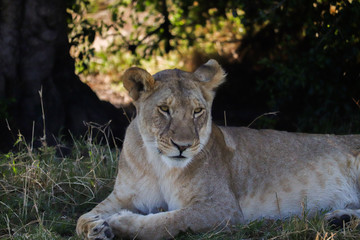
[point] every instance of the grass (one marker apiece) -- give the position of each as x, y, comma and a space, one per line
43, 192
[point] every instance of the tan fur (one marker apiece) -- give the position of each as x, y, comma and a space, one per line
179, 171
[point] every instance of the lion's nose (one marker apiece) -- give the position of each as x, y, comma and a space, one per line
181, 147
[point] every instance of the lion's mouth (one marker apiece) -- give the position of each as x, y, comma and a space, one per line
180, 157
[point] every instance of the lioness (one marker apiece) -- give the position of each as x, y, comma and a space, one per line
179, 171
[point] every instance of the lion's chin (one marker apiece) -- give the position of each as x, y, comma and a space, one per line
176, 161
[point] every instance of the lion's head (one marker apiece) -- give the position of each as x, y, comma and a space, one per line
174, 109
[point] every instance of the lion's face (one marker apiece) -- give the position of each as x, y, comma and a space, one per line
175, 119
173, 109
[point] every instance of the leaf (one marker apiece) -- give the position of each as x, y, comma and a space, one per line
91, 36
114, 16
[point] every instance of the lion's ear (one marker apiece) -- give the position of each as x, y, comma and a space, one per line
136, 80
211, 74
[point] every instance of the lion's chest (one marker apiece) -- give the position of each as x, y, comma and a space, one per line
156, 195
154, 199
149, 200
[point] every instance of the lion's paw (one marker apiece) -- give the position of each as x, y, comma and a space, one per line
338, 218
100, 231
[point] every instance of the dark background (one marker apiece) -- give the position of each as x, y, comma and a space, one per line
298, 58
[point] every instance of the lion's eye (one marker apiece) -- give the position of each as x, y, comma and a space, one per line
197, 111
164, 108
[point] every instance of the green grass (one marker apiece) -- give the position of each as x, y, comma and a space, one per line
43, 192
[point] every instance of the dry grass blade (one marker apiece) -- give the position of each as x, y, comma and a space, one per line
357, 102
262, 115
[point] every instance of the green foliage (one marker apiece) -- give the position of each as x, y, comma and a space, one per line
82, 32
141, 31
311, 53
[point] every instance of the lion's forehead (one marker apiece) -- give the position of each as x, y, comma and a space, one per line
173, 74
180, 92
185, 100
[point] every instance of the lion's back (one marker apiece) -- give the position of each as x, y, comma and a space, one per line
283, 145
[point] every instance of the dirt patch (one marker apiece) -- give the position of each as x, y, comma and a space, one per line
107, 90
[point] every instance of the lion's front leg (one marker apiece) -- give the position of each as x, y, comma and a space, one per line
94, 224
167, 225
145, 227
